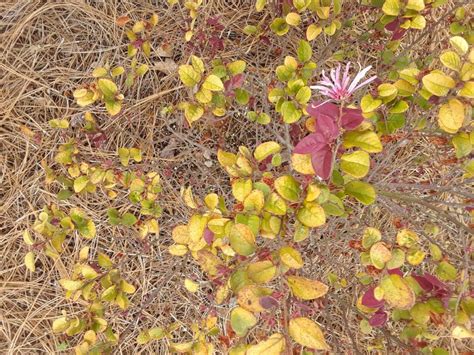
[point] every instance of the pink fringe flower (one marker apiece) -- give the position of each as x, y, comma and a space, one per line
342, 88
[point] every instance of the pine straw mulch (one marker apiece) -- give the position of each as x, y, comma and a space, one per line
49, 48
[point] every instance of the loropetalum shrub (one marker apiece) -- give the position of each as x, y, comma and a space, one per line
249, 246
98, 286
429, 306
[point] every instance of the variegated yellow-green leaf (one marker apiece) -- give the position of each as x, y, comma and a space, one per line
178, 249
418, 22
361, 191
438, 83
113, 107
261, 272
27, 238
104, 261
307, 333
188, 75
193, 112
107, 87
293, 19
391, 7
241, 188
397, 260
369, 104
356, 164
288, 188
407, 238
266, 149
213, 83
313, 31
259, 5
396, 292
242, 239
386, 90
60, 325
451, 60
249, 297
99, 72
80, 183
379, 255
274, 345
366, 140
311, 215
459, 44
416, 5
451, 116
237, 67
291, 257
306, 289
254, 201
370, 236
279, 26
197, 64
242, 320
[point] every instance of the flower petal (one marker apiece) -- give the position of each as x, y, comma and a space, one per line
358, 78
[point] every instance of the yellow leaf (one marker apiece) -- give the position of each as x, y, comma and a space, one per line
293, 19
190, 285
379, 255
459, 44
254, 201
438, 83
180, 234
460, 332
60, 325
266, 149
274, 345
188, 75
391, 7
451, 116
291, 257
70, 285
396, 292
356, 164
213, 83
27, 238
302, 164
99, 72
306, 289
30, 261
178, 249
307, 333
261, 272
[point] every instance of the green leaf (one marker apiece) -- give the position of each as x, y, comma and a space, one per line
129, 219
288, 188
242, 320
188, 75
361, 191
356, 164
304, 51
279, 26
446, 271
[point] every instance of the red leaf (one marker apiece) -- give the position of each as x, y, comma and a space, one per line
234, 83
310, 144
322, 162
378, 319
351, 118
369, 300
